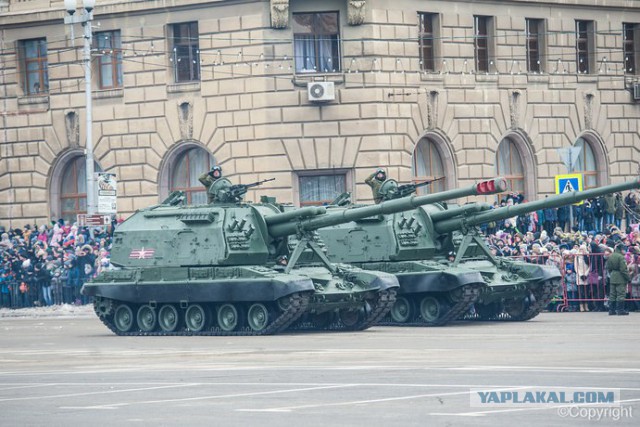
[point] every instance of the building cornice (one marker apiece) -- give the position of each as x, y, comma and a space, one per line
105, 8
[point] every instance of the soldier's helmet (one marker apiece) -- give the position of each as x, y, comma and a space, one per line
381, 175
216, 172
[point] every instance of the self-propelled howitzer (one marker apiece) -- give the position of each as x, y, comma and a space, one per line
216, 270
503, 298
446, 266
398, 237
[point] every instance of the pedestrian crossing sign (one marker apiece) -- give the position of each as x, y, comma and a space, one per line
569, 182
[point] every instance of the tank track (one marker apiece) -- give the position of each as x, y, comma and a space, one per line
470, 294
382, 305
542, 297
385, 301
298, 304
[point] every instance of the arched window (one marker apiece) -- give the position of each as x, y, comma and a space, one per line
509, 165
427, 165
189, 165
586, 164
73, 188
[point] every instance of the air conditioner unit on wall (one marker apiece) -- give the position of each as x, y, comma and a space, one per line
321, 91
636, 91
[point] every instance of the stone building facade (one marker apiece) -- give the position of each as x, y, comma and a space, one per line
460, 89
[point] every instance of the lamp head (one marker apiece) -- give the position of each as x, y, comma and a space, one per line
89, 5
70, 6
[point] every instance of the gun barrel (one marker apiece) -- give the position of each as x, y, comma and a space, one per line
460, 210
294, 214
492, 186
446, 225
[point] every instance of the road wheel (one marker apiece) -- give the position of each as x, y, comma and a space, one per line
197, 318
258, 317
431, 309
402, 310
228, 317
147, 318
123, 318
350, 318
169, 318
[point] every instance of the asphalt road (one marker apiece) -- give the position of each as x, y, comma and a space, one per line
73, 371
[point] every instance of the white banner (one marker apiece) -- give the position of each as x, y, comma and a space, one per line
107, 192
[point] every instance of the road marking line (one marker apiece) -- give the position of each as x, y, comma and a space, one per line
308, 384
306, 368
362, 402
13, 399
192, 399
17, 387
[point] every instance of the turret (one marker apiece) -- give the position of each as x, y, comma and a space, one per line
461, 218
279, 228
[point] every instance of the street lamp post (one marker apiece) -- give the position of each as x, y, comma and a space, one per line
85, 19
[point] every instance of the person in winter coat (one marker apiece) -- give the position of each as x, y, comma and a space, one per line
610, 208
598, 207
619, 210
581, 265
563, 217
631, 202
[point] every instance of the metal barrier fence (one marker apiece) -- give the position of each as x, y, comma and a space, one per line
589, 288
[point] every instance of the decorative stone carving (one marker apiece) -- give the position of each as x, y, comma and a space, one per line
588, 110
185, 116
432, 109
72, 127
279, 13
356, 11
514, 109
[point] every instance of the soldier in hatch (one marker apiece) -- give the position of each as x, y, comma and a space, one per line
375, 181
214, 183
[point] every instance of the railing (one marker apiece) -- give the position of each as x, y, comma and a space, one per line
591, 287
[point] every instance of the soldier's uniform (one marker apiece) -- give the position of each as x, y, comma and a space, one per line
207, 180
618, 279
212, 179
375, 185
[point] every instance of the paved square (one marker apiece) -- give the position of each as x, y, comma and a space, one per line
73, 371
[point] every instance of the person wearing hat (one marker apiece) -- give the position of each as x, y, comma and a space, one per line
618, 279
572, 287
208, 179
582, 269
281, 262
375, 181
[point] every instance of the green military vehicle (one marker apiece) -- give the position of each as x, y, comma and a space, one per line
441, 260
219, 269
216, 269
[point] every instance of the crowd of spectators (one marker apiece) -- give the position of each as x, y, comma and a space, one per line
48, 264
